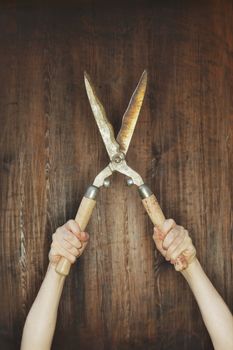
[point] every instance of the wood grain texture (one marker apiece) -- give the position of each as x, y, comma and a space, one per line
154, 211
121, 294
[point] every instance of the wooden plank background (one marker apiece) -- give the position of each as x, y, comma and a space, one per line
121, 294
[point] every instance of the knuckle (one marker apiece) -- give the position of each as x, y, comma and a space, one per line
66, 244
154, 237
73, 259
178, 232
171, 222
73, 225
173, 256
72, 237
193, 250
182, 235
178, 229
66, 234
58, 233
52, 251
59, 229
78, 243
173, 233
63, 244
74, 251
166, 242
81, 250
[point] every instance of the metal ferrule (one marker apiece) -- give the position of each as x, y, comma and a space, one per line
144, 191
91, 192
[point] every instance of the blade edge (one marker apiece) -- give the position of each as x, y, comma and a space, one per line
131, 114
104, 126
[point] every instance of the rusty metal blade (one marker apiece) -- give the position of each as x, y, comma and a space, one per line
104, 125
131, 114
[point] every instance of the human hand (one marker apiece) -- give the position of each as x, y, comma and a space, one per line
175, 244
68, 242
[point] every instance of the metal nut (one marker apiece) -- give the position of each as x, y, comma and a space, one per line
129, 181
107, 182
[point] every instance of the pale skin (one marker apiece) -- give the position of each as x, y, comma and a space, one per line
173, 242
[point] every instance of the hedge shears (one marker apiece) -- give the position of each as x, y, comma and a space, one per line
117, 149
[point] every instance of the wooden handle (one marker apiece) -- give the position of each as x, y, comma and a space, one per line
154, 211
157, 217
82, 218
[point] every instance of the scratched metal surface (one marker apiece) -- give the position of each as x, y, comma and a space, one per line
121, 294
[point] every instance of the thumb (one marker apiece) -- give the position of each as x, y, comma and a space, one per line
158, 238
83, 236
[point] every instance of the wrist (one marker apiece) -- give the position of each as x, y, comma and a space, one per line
192, 269
51, 266
53, 275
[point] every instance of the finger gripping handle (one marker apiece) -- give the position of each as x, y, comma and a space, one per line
82, 218
157, 217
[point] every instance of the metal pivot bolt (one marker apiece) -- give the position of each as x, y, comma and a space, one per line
118, 157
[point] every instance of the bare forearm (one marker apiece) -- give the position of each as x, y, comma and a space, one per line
41, 320
215, 313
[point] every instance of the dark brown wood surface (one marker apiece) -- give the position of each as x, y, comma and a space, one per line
121, 294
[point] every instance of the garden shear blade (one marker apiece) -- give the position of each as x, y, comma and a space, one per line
117, 149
